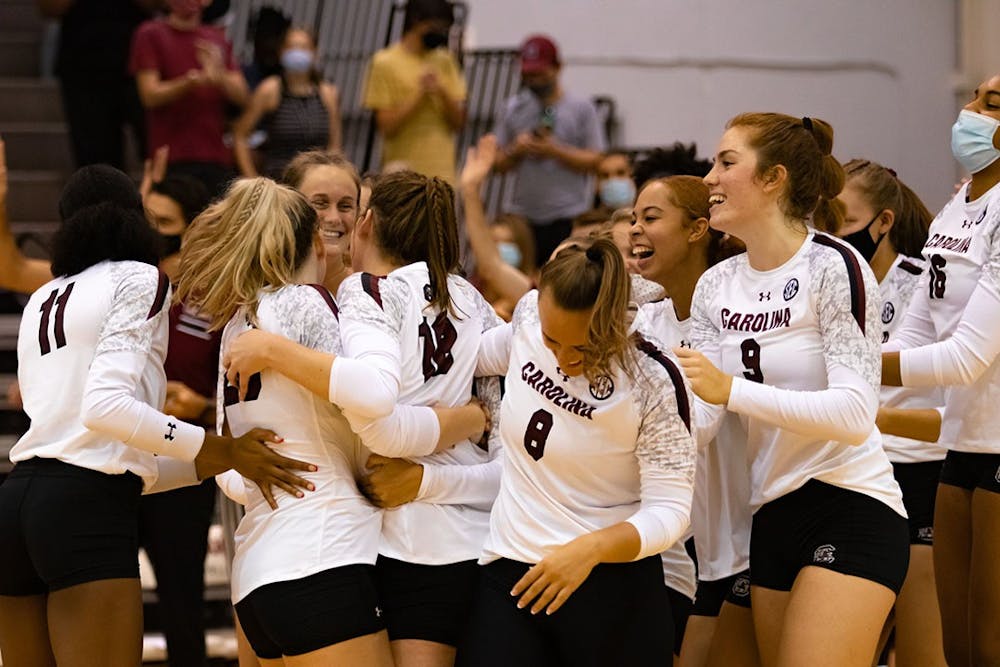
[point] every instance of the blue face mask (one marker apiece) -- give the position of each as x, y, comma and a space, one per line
617, 192
972, 140
297, 60
509, 253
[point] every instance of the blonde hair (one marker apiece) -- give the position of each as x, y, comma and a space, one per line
591, 274
253, 239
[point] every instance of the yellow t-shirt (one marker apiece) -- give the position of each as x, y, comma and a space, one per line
424, 142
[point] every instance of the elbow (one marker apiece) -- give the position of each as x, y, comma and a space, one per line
96, 410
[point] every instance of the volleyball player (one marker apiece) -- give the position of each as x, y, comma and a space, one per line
887, 224
419, 325
90, 364
787, 336
598, 470
673, 246
949, 338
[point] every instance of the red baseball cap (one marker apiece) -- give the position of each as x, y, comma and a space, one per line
537, 53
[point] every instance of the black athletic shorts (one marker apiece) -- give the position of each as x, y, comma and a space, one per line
826, 526
919, 482
972, 471
680, 611
304, 615
429, 602
619, 616
734, 589
62, 525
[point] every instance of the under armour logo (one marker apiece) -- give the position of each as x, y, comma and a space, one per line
764, 296
686, 343
170, 435
378, 612
824, 554
967, 224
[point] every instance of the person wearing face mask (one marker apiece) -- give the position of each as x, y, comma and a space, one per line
948, 338
887, 224
553, 140
299, 110
417, 93
614, 185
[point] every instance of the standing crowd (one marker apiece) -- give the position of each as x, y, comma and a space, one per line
736, 412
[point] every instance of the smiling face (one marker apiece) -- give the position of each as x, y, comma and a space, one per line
660, 233
735, 194
564, 332
332, 192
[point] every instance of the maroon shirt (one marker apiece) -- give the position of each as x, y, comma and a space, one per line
193, 125
192, 351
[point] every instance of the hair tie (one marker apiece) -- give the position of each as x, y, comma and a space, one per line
594, 255
807, 123
892, 171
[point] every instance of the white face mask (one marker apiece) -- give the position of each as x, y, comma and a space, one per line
972, 140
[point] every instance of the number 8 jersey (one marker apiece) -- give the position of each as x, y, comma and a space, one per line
785, 335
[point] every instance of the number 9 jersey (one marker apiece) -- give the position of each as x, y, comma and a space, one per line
785, 335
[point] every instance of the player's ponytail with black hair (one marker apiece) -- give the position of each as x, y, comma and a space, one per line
593, 276
102, 218
415, 221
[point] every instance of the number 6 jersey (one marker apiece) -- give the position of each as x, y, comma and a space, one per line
582, 456
802, 342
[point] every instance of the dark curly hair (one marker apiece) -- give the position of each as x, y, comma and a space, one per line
678, 160
102, 219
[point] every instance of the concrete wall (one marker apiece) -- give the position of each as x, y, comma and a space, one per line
883, 72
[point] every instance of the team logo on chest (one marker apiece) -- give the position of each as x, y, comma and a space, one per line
791, 289
968, 224
888, 312
602, 388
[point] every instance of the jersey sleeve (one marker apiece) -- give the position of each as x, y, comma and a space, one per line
476, 485
143, 52
707, 417
137, 314
973, 347
847, 305
371, 312
666, 452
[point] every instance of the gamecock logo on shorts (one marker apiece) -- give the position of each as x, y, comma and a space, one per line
741, 586
997, 476
602, 387
824, 554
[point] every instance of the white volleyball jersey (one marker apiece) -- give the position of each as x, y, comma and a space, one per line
789, 328
574, 452
644, 291
905, 276
720, 509
103, 327
333, 525
438, 352
963, 248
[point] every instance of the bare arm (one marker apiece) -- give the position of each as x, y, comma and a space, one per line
923, 424
390, 120
331, 100
263, 100
154, 92
17, 272
505, 279
580, 159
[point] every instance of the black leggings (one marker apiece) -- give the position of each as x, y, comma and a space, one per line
619, 616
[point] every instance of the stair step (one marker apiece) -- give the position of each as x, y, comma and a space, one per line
21, 16
42, 146
33, 195
20, 54
30, 100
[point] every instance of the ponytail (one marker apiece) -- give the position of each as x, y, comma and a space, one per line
415, 222
592, 275
255, 238
882, 190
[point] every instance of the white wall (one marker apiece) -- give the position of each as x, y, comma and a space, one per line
881, 71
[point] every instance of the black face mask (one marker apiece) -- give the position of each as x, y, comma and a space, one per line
863, 242
170, 244
542, 90
433, 40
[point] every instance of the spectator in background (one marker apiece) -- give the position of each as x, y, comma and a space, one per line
678, 160
614, 188
553, 140
300, 111
98, 94
186, 77
268, 26
417, 93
